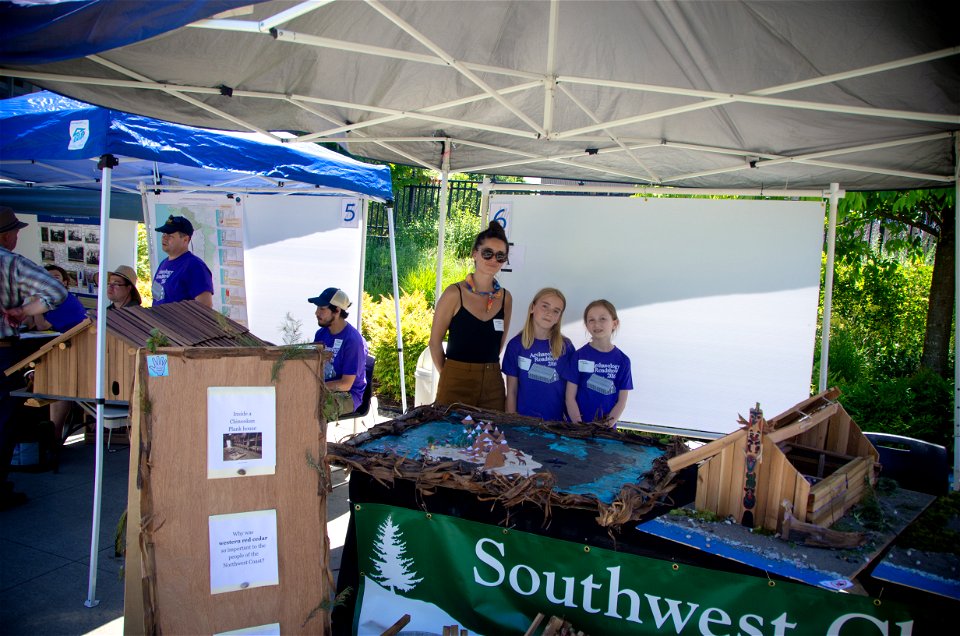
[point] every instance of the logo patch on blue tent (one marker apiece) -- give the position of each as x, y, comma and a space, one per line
79, 134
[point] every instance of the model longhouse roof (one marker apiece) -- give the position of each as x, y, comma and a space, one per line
185, 324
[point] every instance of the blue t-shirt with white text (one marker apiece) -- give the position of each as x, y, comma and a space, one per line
599, 376
349, 358
540, 384
183, 278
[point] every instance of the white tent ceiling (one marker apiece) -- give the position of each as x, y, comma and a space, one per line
769, 95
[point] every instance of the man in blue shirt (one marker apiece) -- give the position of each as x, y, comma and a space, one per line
345, 376
182, 275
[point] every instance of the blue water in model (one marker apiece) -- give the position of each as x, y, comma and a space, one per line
598, 467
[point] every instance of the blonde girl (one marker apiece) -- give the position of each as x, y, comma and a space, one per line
535, 357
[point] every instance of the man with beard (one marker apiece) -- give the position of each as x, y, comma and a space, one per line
345, 375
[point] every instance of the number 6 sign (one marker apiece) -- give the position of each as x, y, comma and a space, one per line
501, 215
349, 213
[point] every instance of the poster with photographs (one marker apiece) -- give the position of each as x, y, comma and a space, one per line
241, 431
72, 243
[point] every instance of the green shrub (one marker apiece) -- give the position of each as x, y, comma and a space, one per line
379, 329
460, 231
919, 405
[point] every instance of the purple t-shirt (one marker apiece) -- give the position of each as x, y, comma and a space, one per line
540, 387
183, 278
67, 314
599, 376
349, 358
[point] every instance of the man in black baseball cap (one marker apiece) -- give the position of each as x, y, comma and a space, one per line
182, 275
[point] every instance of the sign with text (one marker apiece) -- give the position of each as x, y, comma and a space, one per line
241, 431
504, 578
243, 551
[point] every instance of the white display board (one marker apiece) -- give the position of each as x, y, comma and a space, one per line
717, 299
217, 221
294, 248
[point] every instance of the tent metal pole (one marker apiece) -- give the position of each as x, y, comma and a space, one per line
484, 203
956, 299
107, 162
828, 286
396, 307
364, 211
442, 221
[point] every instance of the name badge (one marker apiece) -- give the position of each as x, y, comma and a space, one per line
498, 324
585, 366
523, 363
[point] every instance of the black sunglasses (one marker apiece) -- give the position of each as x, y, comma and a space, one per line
487, 253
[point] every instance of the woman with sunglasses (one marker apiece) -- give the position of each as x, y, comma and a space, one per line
476, 314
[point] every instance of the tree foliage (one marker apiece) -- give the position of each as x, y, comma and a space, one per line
890, 351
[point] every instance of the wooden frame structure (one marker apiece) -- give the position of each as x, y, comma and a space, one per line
813, 456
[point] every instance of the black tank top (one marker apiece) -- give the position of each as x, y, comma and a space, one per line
471, 339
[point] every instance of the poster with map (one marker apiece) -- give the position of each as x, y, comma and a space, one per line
217, 239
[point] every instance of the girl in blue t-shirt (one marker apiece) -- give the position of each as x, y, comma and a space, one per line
534, 359
598, 374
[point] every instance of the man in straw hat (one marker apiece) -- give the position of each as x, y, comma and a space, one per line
122, 288
20, 279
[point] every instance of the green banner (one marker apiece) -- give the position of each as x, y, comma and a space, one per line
489, 580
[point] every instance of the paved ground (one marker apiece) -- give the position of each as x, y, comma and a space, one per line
45, 547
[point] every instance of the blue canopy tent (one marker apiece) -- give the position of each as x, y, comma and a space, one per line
35, 33
49, 140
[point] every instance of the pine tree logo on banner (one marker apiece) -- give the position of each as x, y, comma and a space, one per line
393, 569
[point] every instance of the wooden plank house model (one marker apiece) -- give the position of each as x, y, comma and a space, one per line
66, 366
812, 457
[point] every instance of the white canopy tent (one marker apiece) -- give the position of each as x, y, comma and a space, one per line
749, 97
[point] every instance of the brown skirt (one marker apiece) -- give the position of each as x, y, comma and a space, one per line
479, 385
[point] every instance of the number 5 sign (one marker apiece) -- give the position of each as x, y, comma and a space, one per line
349, 213
501, 214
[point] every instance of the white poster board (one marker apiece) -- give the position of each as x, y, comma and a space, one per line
294, 248
717, 299
269, 253
217, 239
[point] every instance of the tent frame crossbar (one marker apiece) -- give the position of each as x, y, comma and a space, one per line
286, 190
646, 191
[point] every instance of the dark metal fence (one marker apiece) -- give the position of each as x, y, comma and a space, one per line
415, 202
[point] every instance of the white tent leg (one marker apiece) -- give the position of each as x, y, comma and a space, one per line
106, 165
828, 286
396, 306
442, 221
484, 203
364, 211
956, 299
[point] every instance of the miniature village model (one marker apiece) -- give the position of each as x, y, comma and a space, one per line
484, 443
808, 465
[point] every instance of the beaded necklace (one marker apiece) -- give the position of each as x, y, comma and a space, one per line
490, 295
